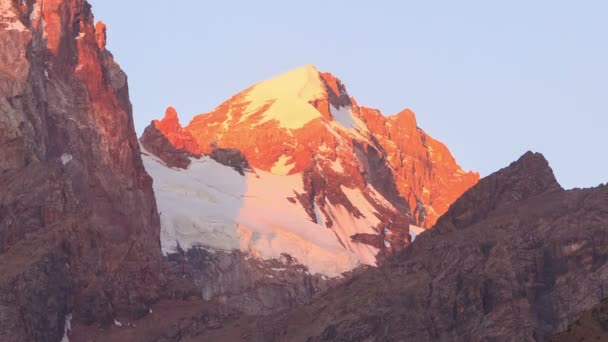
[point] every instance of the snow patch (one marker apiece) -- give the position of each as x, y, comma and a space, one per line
377, 196
35, 12
67, 328
212, 206
355, 196
415, 231
66, 158
345, 226
318, 215
282, 167
288, 95
345, 119
336, 165
343, 115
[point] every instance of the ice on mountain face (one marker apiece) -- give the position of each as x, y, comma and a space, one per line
360, 202
282, 166
415, 231
336, 165
66, 158
288, 95
345, 119
344, 116
349, 226
35, 12
197, 206
318, 215
212, 206
67, 328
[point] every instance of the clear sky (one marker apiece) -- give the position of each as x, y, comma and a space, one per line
490, 79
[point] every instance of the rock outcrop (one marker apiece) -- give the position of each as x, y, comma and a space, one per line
167, 140
79, 228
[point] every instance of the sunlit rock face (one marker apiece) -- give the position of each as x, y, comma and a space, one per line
332, 184
79, 229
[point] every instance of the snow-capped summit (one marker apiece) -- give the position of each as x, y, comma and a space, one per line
331, 183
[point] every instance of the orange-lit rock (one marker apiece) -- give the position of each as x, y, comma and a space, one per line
429, 177
100, 35
392, 153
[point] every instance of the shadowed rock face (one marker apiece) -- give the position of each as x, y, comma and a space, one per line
592, 325
79, 229
515, 258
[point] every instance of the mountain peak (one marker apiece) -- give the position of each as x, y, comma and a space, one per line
527, 177
101, 35
170, 123
303, 83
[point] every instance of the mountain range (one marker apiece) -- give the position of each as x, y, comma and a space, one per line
288, 213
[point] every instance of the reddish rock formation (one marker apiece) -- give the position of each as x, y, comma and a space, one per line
414, 171
170, 127
167, 140
429, 177
79, 229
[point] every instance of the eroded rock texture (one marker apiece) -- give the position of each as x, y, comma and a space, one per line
78, 220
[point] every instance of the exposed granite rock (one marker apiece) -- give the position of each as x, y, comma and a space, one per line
231, 157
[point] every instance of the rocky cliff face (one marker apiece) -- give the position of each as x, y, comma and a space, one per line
79, 229
515, 258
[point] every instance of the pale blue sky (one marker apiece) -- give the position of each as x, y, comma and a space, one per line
490, 79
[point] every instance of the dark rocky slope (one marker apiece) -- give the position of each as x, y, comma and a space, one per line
517, 258
592, 325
